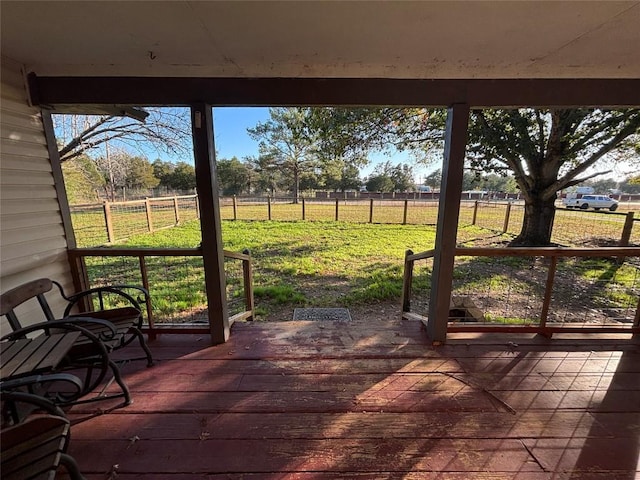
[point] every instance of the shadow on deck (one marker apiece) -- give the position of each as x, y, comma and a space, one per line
307, 400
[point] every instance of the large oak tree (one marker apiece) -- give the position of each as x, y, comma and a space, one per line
545, 150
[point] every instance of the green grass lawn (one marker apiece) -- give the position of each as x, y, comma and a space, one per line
341, 264
320, 264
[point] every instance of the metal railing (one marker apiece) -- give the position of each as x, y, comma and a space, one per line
541, 290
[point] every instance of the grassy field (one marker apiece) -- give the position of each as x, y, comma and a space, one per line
312, 263
340, 264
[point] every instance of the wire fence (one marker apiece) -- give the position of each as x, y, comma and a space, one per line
175, 282
570, 227
511, 290
111, 222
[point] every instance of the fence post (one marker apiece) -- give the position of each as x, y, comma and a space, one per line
626, 230
371, 210
247, 273
175, 210
147, 205
507, 214
197, 207
108, 222
235, 208
303, 210
337, 203
475, 213
269, 207
407, 280
404, 215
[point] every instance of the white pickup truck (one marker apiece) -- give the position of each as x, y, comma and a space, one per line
592, 201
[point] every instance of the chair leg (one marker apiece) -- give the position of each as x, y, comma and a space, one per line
72, 467
118, 378
143, 344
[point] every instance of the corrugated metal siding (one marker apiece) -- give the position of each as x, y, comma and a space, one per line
32, 240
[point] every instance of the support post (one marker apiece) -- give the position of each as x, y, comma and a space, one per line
548, 291
404, 215
303, 210
371, 210
108, 222
269, 207
247, 274
407, 280
147, 209
475, 212
176, 211
507, 214
210, 225
145, 283
626, 230
337, 204
448, 213
235, 208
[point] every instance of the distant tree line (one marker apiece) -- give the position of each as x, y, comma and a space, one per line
539, 152
116, 176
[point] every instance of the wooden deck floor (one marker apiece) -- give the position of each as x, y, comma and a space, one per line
307, 400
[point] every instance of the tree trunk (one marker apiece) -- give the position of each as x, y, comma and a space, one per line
537, 224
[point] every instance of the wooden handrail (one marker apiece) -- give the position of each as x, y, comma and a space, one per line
420, 256
77, 256
548, 252
135, 251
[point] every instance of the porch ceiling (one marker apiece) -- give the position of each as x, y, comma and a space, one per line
465, 39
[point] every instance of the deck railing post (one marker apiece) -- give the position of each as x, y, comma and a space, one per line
551, 275
247, 273
407, 280
145, 283
626, 234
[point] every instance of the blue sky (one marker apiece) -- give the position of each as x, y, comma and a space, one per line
230, 129
231, 138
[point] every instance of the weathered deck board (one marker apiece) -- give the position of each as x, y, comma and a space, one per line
303, 400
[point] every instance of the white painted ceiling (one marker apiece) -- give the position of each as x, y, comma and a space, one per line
392, 39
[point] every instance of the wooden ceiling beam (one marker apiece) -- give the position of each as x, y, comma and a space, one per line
477, 93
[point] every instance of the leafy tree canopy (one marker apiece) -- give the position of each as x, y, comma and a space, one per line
233, 176
288, 142
545, 150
